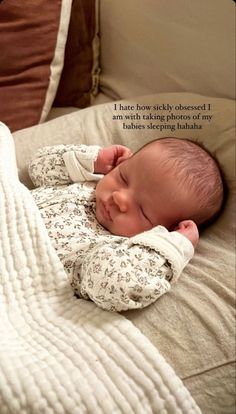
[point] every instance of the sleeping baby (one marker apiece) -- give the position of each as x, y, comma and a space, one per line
125, 225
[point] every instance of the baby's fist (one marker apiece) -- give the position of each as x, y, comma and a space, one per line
188, 229
108, 158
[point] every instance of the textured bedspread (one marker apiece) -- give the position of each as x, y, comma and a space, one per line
59, 354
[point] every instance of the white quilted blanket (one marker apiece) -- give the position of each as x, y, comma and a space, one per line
59, 354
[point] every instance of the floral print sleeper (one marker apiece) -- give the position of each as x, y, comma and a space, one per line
117, 273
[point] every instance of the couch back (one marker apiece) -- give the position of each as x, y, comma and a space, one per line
167, 46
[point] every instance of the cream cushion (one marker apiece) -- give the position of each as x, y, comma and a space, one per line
193, 325
167, 46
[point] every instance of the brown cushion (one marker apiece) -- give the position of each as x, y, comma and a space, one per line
76, 83
28, 41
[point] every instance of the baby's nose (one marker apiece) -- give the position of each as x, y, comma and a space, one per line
121, 200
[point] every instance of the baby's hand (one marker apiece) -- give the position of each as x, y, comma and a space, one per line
188, 229
108, 158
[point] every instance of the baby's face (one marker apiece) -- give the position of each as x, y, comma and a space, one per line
138, 195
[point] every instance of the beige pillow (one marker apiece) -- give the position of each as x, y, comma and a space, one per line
193, 326
32, 43
167, 46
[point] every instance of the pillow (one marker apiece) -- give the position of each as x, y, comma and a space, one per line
167, 46
193, 326
79, 77
32, 42
102, 125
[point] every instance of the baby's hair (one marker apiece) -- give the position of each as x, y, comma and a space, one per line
199, 171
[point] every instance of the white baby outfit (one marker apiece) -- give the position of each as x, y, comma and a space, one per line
117, 273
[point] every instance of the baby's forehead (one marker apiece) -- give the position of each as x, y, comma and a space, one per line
150, 157
148, 168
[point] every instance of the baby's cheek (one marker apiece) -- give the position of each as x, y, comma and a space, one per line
120, 227
132, 227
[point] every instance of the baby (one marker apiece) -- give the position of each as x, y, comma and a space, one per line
124, 240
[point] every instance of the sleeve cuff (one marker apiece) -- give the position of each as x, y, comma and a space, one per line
175, 247
80, 163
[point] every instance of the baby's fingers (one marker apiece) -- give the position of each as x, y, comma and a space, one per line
123, 153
